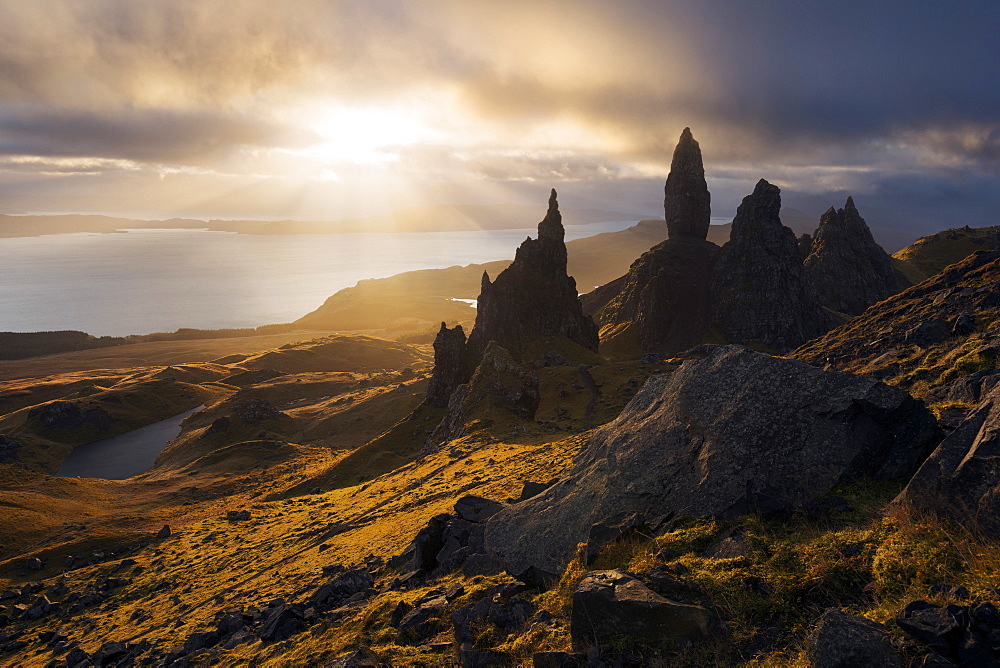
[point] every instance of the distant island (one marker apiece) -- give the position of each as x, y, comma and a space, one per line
445, 218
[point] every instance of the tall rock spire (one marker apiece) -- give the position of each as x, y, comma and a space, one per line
760, 292
687, 204
662, 304
532, 298
849, 269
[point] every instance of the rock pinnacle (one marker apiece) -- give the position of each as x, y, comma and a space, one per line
687, 204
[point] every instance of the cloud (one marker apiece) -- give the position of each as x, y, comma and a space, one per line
157, 136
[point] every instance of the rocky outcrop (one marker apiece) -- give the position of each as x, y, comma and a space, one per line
848, 269
608, 605
760, 292
664, 300
499, 390
449, 365
687, 204
533, 298
891, 339
841, 640
730, 433
961, 479
58, 415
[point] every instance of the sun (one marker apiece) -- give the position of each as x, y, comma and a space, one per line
361, 135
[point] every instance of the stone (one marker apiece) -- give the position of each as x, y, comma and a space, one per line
335, 592
928, 333
34, 563
761, 293
282, 623
507, 612
476, 508
727, 434
961, 478
939, 627
164, 532
841, 640
237, 515
428, 543
687, 204
964, 324
450, 366
614, 605
109, 653
849, 270
533, 298
363, 657
423, 620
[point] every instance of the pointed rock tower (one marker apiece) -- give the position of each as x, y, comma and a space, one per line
687, 204
533, 298
662, 304
761, 294
849, 269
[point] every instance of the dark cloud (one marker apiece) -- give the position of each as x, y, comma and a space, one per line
148, 135
895, 102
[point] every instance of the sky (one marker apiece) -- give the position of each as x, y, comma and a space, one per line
324, 110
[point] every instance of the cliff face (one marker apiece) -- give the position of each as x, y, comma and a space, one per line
760, 291
533, 297
848, 269
664, 300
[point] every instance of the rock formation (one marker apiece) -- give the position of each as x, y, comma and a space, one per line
687, 204
499, 389
848, 269
533, 297
731, 433
664, 300
449, 365
961, 479
760, 292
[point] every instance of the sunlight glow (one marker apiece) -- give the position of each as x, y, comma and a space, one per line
365, 135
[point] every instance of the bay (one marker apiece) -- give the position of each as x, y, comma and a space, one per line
143, 281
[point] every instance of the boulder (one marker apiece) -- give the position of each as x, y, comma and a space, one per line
476, 508
848, 269
841, 640
961, 478
237, 515
281, 623
927, 333
614, 605
761, 293
164, 531
730, 433
331, 594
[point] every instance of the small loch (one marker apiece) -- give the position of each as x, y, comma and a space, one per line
125, 455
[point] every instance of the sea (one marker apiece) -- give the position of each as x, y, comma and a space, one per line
144, 281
